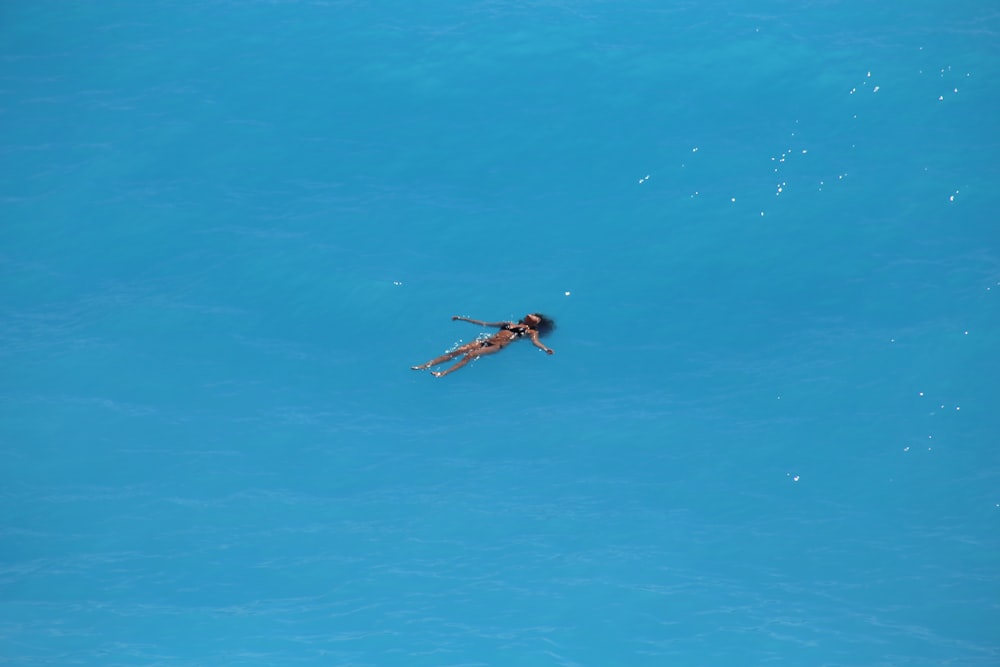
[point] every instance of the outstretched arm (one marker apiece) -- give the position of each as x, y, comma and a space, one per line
479, 322
539, 344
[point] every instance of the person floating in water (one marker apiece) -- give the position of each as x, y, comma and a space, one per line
531, 326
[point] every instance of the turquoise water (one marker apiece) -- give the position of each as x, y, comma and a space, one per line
767, 231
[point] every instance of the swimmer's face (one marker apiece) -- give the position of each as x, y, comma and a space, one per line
532, 320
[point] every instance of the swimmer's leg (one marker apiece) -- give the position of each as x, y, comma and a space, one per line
461, 362
473, 354
447, 356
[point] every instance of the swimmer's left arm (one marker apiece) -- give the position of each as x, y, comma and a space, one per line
539, 344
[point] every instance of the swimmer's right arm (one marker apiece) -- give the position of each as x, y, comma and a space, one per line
479, 322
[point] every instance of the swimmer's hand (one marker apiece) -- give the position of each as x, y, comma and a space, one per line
549, 350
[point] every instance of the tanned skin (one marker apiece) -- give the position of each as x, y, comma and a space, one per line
508, 333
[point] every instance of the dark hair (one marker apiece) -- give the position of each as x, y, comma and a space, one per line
546, 326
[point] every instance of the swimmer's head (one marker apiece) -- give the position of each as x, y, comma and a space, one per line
540, 323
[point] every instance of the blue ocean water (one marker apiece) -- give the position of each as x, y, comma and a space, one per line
768, 434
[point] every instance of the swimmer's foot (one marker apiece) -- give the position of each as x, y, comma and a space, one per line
421, 367
438, 374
